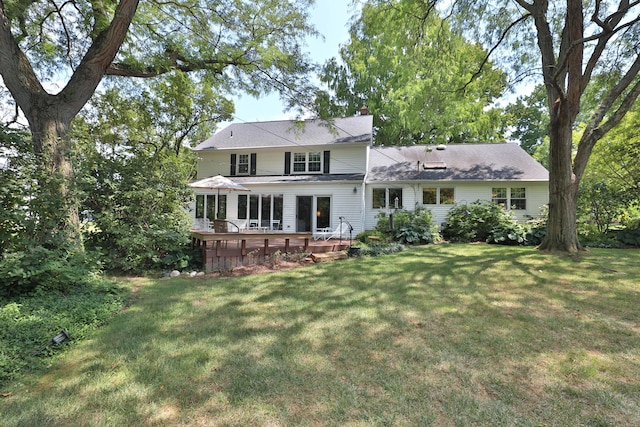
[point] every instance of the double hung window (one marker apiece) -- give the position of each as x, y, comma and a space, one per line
438, 196
243, 164
387, 198
510, 197
307, 162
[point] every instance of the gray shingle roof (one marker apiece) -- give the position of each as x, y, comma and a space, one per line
457, 162
358, 129
296, 179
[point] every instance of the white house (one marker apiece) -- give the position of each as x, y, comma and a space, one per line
306, 176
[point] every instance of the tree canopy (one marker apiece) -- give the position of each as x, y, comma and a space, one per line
417, 77
54, 55
576, 44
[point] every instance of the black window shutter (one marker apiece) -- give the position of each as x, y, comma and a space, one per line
287, 163
327, 157
232, 171
253, 164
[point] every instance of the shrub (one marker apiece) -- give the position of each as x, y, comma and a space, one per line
537, 228
629, 236
511, 233
364, 236
415, 227
382, 249
476, 222
136, 211
590, 236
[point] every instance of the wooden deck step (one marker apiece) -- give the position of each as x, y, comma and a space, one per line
328, 256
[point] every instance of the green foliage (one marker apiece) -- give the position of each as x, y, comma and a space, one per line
384, 248
528, 119
163, 114
258, 45
135, 209
134, 170
41, 269
28, 323
416, 76
205, 53
537, 228
14, 178
378, 236
600, 202
508, 233
411, 227
591, 237
630, 235
35, 253
485, 221
474, 222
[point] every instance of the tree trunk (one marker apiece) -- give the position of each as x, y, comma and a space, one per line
52, 147
562, 232
50, 116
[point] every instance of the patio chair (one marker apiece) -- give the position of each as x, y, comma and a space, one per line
341, 232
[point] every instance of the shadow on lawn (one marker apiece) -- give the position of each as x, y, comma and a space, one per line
442, 335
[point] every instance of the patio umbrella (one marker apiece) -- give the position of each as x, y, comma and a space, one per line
218, 182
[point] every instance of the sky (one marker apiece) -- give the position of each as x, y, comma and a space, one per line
330, 17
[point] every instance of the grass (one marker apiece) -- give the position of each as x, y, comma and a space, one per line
446, 335
28, 323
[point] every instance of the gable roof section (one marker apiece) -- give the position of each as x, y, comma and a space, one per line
456, 162
287, 133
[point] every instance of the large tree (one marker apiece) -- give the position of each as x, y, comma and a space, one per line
573, 42
416, 76
46, 44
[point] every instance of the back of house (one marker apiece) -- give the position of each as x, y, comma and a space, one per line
314, 175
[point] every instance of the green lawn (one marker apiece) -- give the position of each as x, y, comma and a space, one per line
468, 335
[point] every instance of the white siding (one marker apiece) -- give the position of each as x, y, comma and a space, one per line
465, 192
344, 202
343, 160
351, 159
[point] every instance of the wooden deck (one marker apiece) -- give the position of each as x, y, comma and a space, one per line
229, 250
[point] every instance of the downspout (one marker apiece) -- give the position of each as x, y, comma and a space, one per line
363, 214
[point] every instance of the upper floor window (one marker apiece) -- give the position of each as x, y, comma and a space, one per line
243, 164
387, 198
437, 196
307, 162
513, 198
314, 162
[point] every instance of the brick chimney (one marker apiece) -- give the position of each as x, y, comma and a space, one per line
364, 110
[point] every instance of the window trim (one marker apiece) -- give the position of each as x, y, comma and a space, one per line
235, 164
507, 200
438, 194
241, 164
387, 198
296, 161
